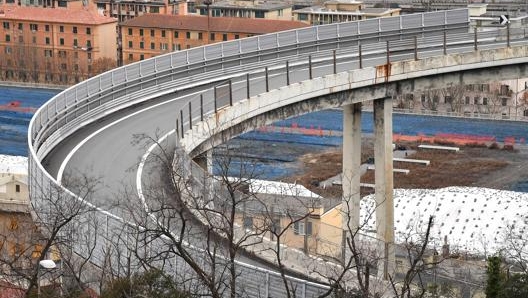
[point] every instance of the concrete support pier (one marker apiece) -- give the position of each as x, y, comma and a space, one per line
384, 184
351, 175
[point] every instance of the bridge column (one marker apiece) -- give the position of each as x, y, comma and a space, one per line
384, 184
351, 175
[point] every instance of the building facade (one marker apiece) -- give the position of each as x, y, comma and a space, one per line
151, 35
336, 11
270, 10
125, 10
55, 45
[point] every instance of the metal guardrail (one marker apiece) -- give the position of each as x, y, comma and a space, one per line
204, 68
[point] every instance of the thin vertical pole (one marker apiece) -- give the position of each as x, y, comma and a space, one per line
177, 127
475, 45
230, 93
335, 62
248, 94
201, 107
508, 34
445, 42
415, 48
388, 58
360, 57
310, 65
190, 116
181, 123
287, 73
267, 78
215, 106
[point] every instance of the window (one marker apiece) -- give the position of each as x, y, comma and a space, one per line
48, 53
302, 17
175, 34
8, 50
141, 45
61, 41
62, 54
63, 66
34, 39
152, 46
8, 38
280, 12
6, 25
162, 33
302, 228
33, 27
188, 35
152, 33
75, 44
484, 100
423, 97
259, 14
21, 39
476, 100
89, 56
212, 36
248, 223
88, 43
200, 35
129, 31
237, 36
63, 3
129, 44
467, 100
163, 46
20, 26
504, 101
448, 99
224, 37
130, 57
525, 113
141, 57
88, 31
75, 55
47, 40
190, 7
74, 30
140, 32
154, 9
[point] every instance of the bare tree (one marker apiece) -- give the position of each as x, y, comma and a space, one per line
454, 97
431, 100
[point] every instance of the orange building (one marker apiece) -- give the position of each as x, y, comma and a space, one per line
55, 45
151, 35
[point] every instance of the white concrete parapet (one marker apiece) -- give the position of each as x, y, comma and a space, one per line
420, 161
456, 149
404, 171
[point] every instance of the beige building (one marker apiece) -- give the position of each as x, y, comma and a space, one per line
14, 194
336, 11
55, 45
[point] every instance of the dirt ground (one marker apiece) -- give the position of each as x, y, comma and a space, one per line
471, 166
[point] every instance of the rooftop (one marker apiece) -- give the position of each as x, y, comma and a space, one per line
363, 11
217, 24
250, 5
53, 15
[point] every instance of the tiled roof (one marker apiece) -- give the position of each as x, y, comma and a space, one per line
216, 24
53, 15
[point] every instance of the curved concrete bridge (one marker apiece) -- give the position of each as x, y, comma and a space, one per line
218, 91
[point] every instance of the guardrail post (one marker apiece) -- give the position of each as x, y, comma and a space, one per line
267, 78
508, 34
310, 65
181, 123
287, 73
335, 62
415, 48
177, 129
267, 285
445, 43
475, 39
201, 107
360, 57
230, 93
247, 86
190, 116
215, 106
388, 55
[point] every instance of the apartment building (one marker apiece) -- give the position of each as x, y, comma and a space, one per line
128, 9
151, 35
270, 10
336, 11
55, 45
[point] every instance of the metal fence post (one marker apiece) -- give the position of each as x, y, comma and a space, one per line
287, 73
177, 128
475, 39
335, 62
267, 82
388, 55
230, 93
267, 285
310, 65
247, 86
415, 48
360, 57
190, 116
201, 107
215, 105
508, 34
181, 123
445, 43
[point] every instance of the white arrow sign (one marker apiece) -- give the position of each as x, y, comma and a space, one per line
504, 19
